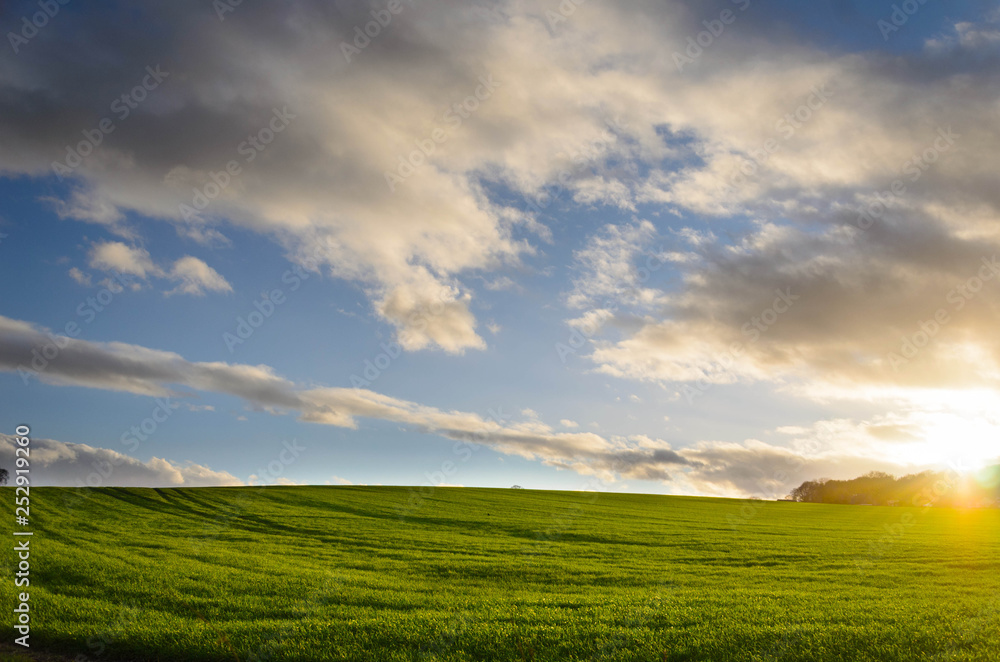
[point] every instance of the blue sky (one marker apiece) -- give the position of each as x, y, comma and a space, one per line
476, 293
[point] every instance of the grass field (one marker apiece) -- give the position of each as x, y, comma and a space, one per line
371, 573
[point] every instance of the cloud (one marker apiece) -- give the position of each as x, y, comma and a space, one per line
196, 277
708, 467
428, 317
143, 371
611, 273
968, 38
796, 151
80, 465
566, 423
815, 170
80, 277
796, 304
912, 437
319, 188
281, 480
593, 110
117, 256
193, 276
501, 283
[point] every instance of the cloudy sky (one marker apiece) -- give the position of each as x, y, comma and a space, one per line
713, 247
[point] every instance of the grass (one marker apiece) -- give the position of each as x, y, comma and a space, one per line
377, 573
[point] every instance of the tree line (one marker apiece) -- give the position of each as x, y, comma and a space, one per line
947, 489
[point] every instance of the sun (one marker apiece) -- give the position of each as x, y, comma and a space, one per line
961, 442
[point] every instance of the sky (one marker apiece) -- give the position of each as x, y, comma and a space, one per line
711, 248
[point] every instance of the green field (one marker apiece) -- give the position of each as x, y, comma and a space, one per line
373, 573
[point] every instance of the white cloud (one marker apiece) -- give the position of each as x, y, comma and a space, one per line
615, 268
195, 277
501, 283
570, 116
679, 140
118, 256
135, 369
427, 314
80, 277
796, 304
320, 186
61, 463
566, 423
708, 467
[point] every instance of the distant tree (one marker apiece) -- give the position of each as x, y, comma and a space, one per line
4, 475
940, 489
809, 492
516, 487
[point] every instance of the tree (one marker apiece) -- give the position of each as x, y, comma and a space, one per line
809, 491
4, 475
941, 489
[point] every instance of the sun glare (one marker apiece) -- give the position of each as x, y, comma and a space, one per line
962, 442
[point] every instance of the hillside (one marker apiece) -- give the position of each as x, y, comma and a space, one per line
379, 573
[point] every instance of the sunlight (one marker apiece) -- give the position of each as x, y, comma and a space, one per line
961, 442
